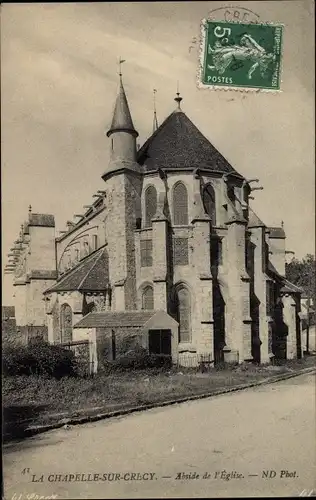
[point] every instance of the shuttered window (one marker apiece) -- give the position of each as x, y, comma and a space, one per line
180, 205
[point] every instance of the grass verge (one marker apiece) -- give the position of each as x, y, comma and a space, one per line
31, 400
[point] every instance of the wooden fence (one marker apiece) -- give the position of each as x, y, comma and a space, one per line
203, 362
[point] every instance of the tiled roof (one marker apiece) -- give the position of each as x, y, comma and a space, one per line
128, 319
91, 274
115, 319
276, 232
178, 143
44, 220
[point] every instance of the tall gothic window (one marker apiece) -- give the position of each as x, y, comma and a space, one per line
181, 251
180, 205
209, 203
146, 253
66, 323
148, 298
150, 205
183, 303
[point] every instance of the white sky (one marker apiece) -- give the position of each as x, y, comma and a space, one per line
59, 83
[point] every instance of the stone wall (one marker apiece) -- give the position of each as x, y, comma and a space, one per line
133, 186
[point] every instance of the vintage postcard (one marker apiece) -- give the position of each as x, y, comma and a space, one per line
158, 305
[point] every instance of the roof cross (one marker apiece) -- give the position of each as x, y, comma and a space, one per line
121, 61
155, 123
178, 99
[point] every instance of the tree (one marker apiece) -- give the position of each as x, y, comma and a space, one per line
302, 274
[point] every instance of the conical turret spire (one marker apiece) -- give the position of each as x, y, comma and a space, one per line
123, 150
122, 120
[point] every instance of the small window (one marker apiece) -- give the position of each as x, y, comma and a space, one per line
86, 248
95, 241
180, 205
69, 263
146, 250
148, 298
181, 251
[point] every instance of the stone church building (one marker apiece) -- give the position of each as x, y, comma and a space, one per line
171, 232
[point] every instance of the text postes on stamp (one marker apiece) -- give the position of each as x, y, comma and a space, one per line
240, 56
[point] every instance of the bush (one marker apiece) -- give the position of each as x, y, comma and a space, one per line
138, 359
39, 358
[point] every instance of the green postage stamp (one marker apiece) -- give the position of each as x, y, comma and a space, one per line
240, 56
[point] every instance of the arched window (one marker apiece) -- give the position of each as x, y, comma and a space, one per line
68, 257
209, 202
183, 304
150, 204
95, 241
86, 248
77, 254
66, 323
180, 205
148, 298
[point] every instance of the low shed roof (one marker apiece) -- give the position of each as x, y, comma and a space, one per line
127, 319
